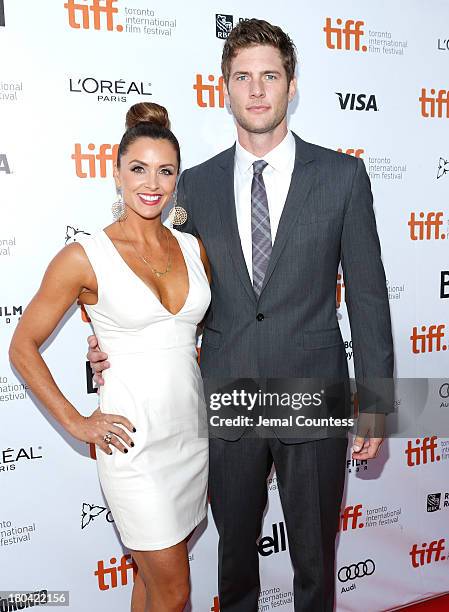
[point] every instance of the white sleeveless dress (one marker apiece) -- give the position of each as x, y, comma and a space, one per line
157, 492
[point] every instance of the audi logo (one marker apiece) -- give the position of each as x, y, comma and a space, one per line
356, 570
444, 391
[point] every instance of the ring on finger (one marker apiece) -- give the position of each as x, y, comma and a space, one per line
108, 437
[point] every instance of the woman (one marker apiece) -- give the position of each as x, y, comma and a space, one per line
146, 288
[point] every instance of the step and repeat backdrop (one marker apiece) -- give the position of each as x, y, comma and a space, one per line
373, 82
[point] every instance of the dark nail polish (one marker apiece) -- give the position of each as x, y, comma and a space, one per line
134, 429
125, 450
110, 453
132, 443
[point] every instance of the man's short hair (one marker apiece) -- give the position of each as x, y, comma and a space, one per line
251, 32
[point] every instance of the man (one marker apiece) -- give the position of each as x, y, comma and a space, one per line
276, 216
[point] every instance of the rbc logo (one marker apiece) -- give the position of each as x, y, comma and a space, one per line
210, 91
106, 157
93, 13
347, 36
223, 25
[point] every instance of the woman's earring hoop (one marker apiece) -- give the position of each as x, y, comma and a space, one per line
178, 214
119, 208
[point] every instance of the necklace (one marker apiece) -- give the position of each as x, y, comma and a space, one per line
158, 273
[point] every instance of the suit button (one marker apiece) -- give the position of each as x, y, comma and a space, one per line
260, 317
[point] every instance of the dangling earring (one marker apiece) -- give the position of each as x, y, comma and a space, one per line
178, 214
118, 208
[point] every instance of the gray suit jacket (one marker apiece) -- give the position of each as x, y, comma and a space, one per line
291, 330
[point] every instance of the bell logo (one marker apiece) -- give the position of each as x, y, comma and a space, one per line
4, 165
347, 37
349, 519
354, 152
94, 14
431, 222
422, 451
444, 286
277, 543
423, 342
121, 571
358, 102
106, 157
427, 553
432, 106
209, 91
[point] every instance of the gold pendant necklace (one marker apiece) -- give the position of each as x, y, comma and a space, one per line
158, 273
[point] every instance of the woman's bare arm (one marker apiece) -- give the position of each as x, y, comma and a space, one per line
68, 275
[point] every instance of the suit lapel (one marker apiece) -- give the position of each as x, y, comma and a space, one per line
303, 176
226, 205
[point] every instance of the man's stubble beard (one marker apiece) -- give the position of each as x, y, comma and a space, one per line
264, 129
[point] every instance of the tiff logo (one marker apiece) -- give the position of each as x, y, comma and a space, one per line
2, 13
88, 164
431, 222
347, 36
215, 605
349, 519
4, 165
114, 573
354, 152
423, 342
432, 106
444, 285
358, 102
209, 91
339, 295
422, 451
94, 12
428, 553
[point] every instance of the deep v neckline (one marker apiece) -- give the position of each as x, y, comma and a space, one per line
146, 285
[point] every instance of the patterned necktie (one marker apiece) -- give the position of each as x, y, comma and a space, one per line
260, 226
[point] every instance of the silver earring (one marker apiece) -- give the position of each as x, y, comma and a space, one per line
118, 208
178, 214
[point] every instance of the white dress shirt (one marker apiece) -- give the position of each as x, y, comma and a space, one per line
277, 177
